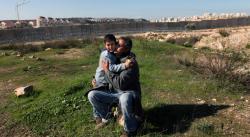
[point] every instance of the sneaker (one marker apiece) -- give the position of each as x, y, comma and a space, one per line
102, 124
98, 120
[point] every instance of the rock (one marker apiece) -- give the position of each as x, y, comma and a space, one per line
23, 58
48, 49
214, 100
27, 68
19, 54
32, 56
13, 53
39, 59
242, 98
23, 91
162, 40
232, 105
246, 101
201, 102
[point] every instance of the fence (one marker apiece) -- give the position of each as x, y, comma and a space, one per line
87, 31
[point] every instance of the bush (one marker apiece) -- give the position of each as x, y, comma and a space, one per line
224, 33
64, 44
206, 128
185, 60
221, 65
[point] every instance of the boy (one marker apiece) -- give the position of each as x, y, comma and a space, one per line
108, 56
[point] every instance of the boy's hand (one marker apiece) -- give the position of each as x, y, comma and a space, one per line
93, 83
105, 65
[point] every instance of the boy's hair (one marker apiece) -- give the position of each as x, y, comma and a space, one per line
128, 42
109, 38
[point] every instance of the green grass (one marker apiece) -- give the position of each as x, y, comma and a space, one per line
58, 107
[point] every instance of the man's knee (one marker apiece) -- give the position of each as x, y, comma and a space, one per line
126, 98
92, 94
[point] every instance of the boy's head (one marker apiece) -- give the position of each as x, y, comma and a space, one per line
110, 42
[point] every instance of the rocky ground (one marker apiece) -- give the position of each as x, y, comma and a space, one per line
237, 38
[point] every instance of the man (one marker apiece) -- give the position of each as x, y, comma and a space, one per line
126, 93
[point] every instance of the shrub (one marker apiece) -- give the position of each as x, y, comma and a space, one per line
63, 44
206, 128
224, 33
171, 40
185, 60
221, 65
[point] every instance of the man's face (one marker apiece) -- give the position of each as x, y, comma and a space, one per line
110, 46
122, 48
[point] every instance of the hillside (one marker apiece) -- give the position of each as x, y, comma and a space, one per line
177, 100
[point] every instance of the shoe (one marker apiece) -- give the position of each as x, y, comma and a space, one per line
128, 134
98, 120
102, 124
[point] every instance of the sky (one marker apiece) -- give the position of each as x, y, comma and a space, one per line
148, 9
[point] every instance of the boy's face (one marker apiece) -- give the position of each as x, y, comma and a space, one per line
110, 46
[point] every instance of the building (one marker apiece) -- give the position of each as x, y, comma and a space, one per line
7, 24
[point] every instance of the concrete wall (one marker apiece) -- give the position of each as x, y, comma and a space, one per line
87, 31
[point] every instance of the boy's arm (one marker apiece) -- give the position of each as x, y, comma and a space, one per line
116, 67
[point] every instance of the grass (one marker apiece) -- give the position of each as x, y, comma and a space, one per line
58, 107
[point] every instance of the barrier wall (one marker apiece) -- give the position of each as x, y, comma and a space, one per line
87, 31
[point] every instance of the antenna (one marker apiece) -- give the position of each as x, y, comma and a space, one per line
19, 4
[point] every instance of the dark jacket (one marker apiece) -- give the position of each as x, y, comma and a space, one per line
128, 80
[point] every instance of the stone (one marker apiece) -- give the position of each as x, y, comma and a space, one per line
162, 40
232, 105
39, 59
201, 102
23, 58
48, 49
32, 56
23, 91
13, 53
19, 54
27, 68
214, 100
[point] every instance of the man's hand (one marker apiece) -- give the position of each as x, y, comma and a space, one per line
105, 65
129, 63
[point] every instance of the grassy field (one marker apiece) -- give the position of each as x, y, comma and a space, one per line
171, 95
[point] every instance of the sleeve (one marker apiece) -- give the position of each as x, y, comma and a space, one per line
121, 81
115, 67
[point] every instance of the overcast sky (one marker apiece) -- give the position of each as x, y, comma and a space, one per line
120, 8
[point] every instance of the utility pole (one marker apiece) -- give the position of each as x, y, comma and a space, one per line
19, 4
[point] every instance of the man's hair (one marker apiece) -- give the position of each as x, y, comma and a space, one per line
109, 38
128, 42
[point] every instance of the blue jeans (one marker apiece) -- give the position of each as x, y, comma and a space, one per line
103, 100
